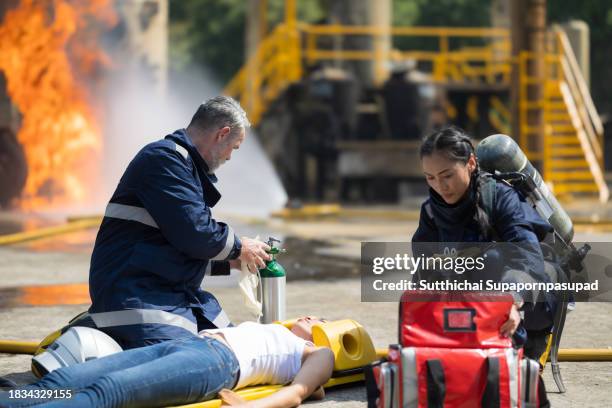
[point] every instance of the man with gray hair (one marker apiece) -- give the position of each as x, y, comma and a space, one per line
158, 239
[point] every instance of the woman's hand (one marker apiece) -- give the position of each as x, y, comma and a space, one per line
514, 319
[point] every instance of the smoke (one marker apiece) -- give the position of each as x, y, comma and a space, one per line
139, 113
249, 183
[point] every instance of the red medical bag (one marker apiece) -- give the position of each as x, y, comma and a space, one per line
451, 355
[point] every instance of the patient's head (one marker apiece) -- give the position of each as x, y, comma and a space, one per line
303, 326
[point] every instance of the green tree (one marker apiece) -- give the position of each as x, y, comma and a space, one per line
451, 13
207, 33
210, 33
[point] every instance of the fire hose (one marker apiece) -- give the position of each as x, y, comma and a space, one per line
70, 226
572, 354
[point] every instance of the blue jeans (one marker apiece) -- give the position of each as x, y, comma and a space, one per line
174, 372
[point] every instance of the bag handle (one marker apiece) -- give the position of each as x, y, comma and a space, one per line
436, 384
490, 396
372, 391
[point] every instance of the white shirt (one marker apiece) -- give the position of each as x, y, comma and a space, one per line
267, 353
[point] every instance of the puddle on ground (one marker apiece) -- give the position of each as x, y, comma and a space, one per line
302, 261
45, 295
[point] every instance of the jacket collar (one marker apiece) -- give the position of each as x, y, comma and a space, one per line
453, 218
180, 137
207, 180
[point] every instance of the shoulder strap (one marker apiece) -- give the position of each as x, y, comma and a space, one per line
487, 195
491, 394
372, 390
436, 383
429, 211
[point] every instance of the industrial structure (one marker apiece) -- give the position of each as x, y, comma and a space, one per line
340, 106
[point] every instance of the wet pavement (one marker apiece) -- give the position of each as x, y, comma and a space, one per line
43, 285
45, 295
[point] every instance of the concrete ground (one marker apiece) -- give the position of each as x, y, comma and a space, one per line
325, 259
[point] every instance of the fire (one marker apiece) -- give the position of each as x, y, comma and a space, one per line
48, 51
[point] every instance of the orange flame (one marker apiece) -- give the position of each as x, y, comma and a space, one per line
39, 42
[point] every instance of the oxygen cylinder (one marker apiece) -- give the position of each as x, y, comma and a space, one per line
500, 154
273, 282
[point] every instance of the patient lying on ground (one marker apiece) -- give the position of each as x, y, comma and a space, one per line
195, 369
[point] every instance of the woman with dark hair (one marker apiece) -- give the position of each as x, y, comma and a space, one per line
466, 205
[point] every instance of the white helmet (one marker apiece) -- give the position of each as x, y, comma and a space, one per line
77, 345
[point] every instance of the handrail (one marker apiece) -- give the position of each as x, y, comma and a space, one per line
277, 61
587, 147
269, 68
421, 31
584, 118
585, 121
592, 128
446, 64
582, 86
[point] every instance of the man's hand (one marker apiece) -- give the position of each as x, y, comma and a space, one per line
509, 327
254, 254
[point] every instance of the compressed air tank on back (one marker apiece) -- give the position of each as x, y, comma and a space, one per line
500, 153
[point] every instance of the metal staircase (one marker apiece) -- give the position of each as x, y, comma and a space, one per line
573, 132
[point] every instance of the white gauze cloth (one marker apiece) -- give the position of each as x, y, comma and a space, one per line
248, 284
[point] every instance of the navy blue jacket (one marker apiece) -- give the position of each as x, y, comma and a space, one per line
512, 219
157, 241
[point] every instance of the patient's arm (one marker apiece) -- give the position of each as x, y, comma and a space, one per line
317, 367
318, 394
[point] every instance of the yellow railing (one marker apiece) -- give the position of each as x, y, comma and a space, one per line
275, 65
500, 116
570, 138
281, 57
572, 75
447, 64
571, 135
530, 134
583, 116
